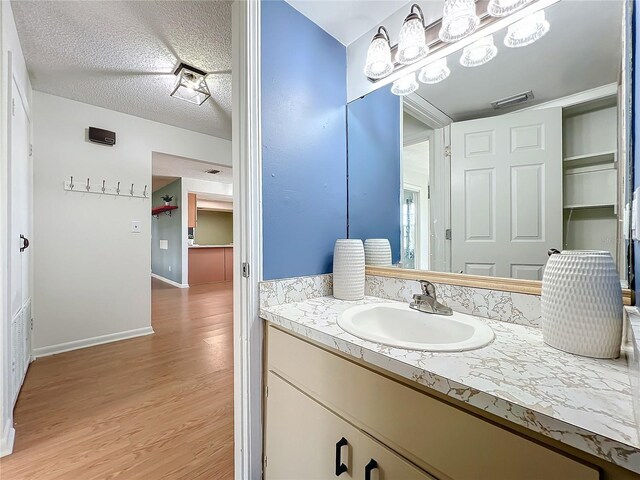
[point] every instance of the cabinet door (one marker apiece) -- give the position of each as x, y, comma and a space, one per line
192, 216
301, 436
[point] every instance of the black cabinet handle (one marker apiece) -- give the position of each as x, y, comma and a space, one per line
367, 469
340, 467
25, 243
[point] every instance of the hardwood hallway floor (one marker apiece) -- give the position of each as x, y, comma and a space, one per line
155, 407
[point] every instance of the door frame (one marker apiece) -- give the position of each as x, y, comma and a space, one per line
247, 229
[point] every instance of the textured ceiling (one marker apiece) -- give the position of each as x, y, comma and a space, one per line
120, 55
347, 20
173, 166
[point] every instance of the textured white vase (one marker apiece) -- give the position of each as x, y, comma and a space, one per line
348, 269
582, 304
377, 251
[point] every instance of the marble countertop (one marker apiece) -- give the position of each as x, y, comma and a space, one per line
583, 402
211, 246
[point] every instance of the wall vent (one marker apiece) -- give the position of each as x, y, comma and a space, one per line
213, 171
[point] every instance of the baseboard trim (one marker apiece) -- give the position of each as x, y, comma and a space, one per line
8, 439
91, 342
170, 282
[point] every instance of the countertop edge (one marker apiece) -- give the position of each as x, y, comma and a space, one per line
616, 452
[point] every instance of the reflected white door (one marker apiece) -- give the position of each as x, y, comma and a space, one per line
506, 193
20, 191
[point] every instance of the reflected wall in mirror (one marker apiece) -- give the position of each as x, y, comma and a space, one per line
487, 170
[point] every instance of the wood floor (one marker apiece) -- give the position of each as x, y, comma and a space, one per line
155, 407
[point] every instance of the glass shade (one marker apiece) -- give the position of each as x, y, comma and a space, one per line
191, 86
412, 45
502, 8
527, 30
379, 63
459, 20
479, 53
434, 72
405, 85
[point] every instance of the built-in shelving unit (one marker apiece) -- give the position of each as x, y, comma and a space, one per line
590, 184
166, 209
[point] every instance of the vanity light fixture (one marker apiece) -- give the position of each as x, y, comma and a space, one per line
502, 8
526, 31
479, 52
412, 44
434, 72
459, 20
191, 85
405, 85
379, 62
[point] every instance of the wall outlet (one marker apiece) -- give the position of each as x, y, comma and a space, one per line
136, 226
169, 267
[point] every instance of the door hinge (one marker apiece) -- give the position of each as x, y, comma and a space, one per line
428, 192
31, 149
13, 107
447, 234
31, 322
245, 269
265, 462
447, 151
266, 390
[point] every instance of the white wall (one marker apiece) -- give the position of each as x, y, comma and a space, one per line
92, 276
13, 65
223, 191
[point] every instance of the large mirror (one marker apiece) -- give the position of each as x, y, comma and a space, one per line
487, 170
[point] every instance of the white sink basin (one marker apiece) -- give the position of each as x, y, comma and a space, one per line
397, 325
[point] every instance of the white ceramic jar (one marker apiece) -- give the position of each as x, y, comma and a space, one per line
377, 251
348, 269
582, 310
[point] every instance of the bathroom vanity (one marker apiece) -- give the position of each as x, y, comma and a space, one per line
338, 406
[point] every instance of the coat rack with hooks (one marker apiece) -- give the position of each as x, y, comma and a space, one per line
102, 187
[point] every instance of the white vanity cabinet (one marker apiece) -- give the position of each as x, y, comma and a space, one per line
316, 397
307, 441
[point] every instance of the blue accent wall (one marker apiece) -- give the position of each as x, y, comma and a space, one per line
374, 168
304, 188
167, 263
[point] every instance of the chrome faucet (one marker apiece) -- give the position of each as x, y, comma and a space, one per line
427, 302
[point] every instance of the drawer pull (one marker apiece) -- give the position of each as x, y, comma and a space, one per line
340, 467
372, 465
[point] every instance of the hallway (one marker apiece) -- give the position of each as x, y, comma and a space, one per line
153, 407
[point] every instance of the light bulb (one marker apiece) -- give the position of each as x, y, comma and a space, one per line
379, 63
412, 45
434, 72
527, 30
405, 85
459, 20
502, 8
479, 52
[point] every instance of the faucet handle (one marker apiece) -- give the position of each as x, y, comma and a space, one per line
428, 288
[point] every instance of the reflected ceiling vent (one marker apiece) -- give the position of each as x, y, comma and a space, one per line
512, 100
213, 171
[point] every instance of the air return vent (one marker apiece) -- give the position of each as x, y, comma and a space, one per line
512, 100
213, 171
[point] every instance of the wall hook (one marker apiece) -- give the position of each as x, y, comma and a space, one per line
71, 184
103, 188
132, 189
88, 187
144, 194
118, 189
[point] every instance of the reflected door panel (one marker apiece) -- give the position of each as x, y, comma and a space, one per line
506, 193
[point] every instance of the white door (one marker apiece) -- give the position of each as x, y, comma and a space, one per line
506, 193
20, 191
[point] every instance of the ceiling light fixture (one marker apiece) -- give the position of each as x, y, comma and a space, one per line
379, 62
434, 72
459, 20
405, 85
526, 31
502, 8
479, 52
412, 44
191, 85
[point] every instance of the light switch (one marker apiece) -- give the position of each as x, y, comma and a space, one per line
164, 244
136, 226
